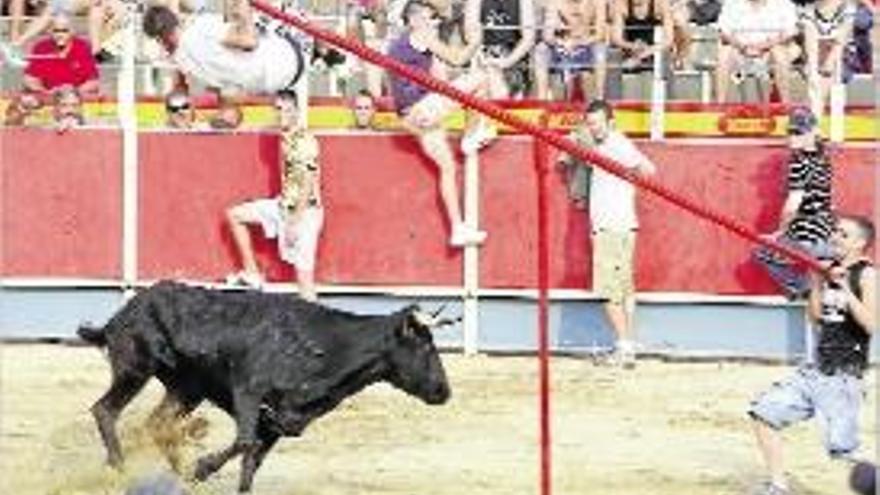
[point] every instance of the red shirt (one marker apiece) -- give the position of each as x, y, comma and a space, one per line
53, 70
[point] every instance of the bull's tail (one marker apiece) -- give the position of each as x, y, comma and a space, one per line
93, 335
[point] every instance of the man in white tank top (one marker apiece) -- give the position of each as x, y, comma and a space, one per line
228, 56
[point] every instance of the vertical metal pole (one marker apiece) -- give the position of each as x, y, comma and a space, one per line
658, 90
541, 168
838, 107
127, 114
471, 268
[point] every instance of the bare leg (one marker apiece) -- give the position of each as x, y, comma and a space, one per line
238, 220
306, 281
97, 11
374, 74
35, 28
542, 72
435, 144
600, 73
781, 70
722, 71
619, 320
770, 444
497, 86
16, 12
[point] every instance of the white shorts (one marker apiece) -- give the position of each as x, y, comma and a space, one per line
302, 250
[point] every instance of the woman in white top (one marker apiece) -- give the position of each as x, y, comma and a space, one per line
229, 56
827, 27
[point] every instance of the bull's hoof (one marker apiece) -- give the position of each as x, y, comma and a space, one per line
204, 468
115, 462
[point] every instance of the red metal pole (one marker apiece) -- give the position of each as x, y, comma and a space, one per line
541, 168
539, 132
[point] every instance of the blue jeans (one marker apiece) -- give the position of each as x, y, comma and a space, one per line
783, 271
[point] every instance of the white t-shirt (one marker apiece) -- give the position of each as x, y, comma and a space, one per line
756, 21
613, 200
268, 68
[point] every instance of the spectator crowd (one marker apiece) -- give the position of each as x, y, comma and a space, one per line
542, 49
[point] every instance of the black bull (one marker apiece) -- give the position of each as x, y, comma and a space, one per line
271, 361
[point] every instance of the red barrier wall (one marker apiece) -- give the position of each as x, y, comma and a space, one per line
60, 203
384, 223
676, 252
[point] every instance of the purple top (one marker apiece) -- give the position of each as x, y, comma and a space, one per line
405, 92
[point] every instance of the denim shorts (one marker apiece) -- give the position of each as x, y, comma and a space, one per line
579, 58
834, 400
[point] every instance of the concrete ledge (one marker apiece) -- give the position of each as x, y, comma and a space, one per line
669, 326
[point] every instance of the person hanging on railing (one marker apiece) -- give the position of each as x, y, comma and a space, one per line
575, 39
422, 112
228, 56
756, 32
844, 305
634, 31
827, 26
806, 221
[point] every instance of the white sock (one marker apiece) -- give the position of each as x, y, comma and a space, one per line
626, 345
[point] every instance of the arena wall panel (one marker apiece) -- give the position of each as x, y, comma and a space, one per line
384, 225
676, 252
61, 203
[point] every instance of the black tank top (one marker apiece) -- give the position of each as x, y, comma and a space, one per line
843, 343
500, 20
640, 28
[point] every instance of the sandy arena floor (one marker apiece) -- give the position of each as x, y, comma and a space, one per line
663, 429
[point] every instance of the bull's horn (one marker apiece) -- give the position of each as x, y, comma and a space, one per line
447, 321
424, 319
439, 310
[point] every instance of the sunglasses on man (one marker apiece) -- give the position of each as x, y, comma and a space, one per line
177, 108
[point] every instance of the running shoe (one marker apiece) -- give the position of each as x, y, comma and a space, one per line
464, 235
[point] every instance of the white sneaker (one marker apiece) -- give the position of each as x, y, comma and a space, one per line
479, 137
624, 354
245, 279
464, 235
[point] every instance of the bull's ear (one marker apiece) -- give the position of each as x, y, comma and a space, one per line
405, 327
